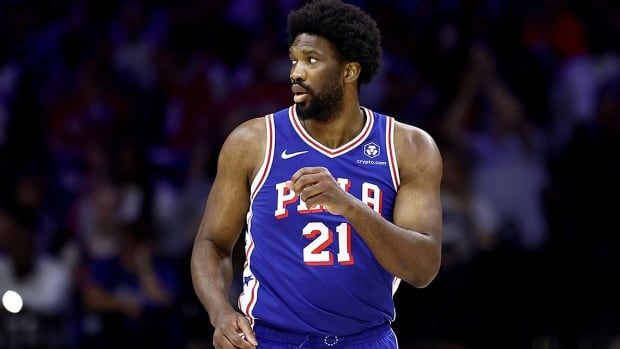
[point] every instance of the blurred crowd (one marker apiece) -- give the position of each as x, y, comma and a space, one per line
112, 114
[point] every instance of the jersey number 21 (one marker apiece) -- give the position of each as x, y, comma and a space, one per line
315, 253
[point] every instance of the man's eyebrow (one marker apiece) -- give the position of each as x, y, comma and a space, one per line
307, 51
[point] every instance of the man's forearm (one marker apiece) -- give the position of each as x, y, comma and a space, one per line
409, 255
212, 277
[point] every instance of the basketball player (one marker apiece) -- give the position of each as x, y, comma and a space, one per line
340, 202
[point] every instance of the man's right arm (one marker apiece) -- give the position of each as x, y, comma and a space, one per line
221, 225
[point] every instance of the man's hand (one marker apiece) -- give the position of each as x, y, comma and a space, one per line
317, 186
232, 330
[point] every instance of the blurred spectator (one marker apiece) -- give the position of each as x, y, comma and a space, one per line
129, 171
470, 221
578, 75
99, 221
9, 74
130, 297
41, 280
508, 149
30, 210
134, 48
178, 211
43, 283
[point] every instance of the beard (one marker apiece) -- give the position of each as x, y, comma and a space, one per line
322, 106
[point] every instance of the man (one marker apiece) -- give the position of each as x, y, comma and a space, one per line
341, 203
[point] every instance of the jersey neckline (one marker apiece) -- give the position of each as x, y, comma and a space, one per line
332, 152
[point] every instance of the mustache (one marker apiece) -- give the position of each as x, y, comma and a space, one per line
302, 84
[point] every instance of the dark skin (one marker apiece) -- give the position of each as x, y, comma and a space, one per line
408, 247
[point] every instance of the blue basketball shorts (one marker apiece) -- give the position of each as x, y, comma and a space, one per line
381, 337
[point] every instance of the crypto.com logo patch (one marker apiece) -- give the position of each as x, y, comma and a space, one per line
372, 150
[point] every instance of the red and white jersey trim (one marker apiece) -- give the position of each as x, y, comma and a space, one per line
247, 299
249, 296
263, 172
329, 152
395, 284
389, 140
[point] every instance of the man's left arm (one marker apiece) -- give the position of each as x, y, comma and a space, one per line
410, 246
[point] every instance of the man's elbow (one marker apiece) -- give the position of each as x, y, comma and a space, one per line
423, 276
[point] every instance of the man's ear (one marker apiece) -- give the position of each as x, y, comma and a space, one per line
352, 72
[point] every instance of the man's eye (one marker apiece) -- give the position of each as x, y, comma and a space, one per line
312, 60
293, 61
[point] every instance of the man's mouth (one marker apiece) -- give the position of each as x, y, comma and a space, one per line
300, 94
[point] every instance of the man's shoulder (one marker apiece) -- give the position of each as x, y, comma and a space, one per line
249, 132
412, 135
246, 144
412, 142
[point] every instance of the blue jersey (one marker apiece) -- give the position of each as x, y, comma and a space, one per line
308, 270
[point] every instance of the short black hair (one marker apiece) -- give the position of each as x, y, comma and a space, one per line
352, 31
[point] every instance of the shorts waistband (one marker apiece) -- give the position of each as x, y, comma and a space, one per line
316, 340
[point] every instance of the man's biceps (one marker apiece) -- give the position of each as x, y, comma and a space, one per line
416, 211
223, 240
405, 215
228, 190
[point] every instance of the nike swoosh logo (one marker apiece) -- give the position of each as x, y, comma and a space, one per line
286, 155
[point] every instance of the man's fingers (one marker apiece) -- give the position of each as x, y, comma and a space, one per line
311, 191
246, 331
305, 181
234, 331
315, 200
305, 171
238, 341
221, 341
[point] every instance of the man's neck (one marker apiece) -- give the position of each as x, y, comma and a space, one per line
338, 130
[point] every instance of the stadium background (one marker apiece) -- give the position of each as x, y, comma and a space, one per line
112, 113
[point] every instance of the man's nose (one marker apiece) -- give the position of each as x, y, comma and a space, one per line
298, 73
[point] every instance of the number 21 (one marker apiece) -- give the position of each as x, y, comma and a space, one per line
315, 253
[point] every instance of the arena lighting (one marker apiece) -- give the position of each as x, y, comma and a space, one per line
12, 301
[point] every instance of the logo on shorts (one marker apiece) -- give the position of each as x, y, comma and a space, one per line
372, 150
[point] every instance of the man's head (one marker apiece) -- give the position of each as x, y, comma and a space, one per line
331, 45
